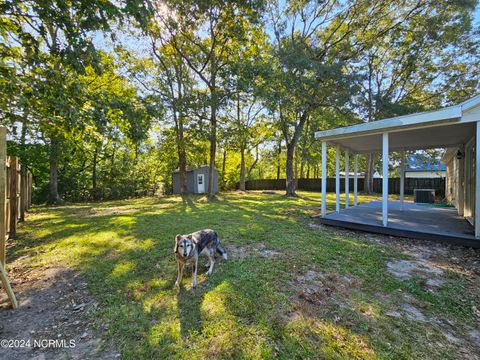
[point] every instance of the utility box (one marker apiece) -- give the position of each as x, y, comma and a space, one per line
424, 196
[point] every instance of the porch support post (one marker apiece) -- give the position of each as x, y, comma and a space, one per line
337, 179
402, 178
477, 181
385, 179
347, 178
355, 181
324, 178
461, 180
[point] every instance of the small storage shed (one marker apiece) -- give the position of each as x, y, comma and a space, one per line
197, 180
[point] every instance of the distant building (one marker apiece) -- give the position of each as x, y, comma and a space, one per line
418, 168
197, 180
351, 174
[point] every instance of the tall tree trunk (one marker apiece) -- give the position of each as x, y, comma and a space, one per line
303, 153
182, 156
291, 147
135, 170
295, 166
242, 169
249, 172
213, 150
23, 171
182, 170
112, 165
53, 197
290, 186
94, 175
279, 153
308, 171
224, 165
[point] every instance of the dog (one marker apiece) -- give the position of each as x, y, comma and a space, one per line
188, 248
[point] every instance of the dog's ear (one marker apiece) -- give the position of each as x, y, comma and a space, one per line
177, 239
190, 236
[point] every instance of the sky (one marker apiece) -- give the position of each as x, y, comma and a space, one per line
102, 42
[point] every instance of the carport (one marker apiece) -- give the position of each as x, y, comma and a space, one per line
453, 128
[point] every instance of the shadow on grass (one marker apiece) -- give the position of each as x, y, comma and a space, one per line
238, 312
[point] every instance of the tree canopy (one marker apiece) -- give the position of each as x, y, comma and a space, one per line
105, 99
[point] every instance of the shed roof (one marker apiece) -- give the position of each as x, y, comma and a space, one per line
446, 127
196, 168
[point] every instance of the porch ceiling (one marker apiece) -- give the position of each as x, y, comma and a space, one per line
440, 136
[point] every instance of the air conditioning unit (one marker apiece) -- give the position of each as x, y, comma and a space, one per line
424, 196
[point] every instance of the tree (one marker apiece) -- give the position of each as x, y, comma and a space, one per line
247, 128
111, 106
57, 36
418, 65
173, 84
308, 69
206, 35
316, 43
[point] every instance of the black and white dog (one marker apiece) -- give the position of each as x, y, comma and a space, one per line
188, 248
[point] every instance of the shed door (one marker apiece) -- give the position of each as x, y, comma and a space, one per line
200, 183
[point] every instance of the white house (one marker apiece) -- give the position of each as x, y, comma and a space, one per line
416, 168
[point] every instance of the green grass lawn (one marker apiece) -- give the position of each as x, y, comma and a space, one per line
250, 307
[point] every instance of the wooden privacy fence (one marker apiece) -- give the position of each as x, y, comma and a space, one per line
301, 184
15, 194
438, 184
15, 199
18, 197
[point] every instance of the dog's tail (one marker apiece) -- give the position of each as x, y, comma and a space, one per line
222, 251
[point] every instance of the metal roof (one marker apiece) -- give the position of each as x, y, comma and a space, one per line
415, 131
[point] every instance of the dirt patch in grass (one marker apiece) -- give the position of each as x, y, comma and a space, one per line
279, 301
406, 269
256, 249
434, 268
316, 226
435, 263
318, 294
54, 304
113, 211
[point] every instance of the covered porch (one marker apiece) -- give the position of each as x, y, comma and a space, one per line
454, 128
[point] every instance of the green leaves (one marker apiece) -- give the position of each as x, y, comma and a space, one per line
185, 75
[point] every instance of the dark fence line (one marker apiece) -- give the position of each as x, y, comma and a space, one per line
438, 184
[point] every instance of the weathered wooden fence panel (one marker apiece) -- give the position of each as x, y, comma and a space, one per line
438, 184
11, 194
3, 189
